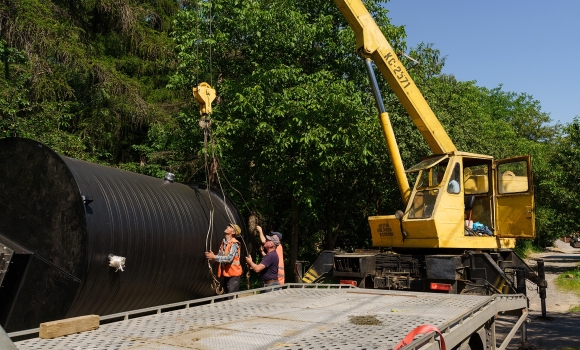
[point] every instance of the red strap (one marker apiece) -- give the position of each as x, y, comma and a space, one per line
422, 329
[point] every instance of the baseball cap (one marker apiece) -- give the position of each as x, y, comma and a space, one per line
277, 234
274, 239
237, 229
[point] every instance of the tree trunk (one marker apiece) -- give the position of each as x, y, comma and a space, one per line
334, 231
332, 236
6, 63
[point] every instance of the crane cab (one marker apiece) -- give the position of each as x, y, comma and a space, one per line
462, 200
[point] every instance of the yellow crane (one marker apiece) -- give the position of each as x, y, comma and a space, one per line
461, 217
453, 188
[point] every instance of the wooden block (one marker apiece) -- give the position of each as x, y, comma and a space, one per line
68, 326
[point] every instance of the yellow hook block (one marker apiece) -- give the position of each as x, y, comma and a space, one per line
204, 95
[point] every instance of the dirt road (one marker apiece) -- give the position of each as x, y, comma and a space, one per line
562, 330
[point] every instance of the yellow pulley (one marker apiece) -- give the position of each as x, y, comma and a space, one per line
204, 95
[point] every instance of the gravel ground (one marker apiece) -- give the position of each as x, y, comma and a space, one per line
557, 260
562, 328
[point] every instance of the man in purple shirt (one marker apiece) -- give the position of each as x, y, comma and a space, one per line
268, 267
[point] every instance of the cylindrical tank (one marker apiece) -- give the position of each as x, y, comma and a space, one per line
63, 217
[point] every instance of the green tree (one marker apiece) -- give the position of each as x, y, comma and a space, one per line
296, 124
90, 76
558, 186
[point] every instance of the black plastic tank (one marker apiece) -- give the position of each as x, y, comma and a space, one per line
61, 218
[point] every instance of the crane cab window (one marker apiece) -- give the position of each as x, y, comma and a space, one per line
427, 163
423, 204
476, 179
431, 181
427, 190
454, 185
512, 177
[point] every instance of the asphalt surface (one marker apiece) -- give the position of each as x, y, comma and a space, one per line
561, 328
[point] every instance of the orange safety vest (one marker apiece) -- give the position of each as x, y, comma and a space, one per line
280, 253
234, 268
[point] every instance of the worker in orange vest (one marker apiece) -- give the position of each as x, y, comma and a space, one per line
228, 258
279, 251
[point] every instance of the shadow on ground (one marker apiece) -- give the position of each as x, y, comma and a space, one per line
557, 269
561, 332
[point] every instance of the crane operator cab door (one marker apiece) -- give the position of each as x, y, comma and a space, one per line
514, 198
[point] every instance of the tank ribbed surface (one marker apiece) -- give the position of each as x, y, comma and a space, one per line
158, 226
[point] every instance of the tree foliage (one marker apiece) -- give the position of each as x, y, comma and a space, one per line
89, 76
557, 186
295, 123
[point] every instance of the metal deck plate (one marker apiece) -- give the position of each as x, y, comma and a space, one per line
288, 319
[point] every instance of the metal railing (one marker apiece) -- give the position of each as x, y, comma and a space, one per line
473, 319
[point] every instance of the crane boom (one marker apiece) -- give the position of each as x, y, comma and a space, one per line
371, 42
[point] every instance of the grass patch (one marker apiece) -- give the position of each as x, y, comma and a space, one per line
570, 281
525, 247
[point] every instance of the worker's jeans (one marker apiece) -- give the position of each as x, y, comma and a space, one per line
231, 285
270, 285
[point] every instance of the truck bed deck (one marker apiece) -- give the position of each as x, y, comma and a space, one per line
295, 317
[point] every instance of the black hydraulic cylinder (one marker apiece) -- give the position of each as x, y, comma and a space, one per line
374, 86
521, 281
542, 276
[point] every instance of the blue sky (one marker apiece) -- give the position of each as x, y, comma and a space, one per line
528, 46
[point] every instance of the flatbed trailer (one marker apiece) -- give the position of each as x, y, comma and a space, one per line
302, 316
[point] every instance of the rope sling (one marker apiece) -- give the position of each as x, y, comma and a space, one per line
204, 95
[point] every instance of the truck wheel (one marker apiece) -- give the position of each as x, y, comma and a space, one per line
475, 343
367, 283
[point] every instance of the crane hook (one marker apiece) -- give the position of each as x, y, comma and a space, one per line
204, 95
